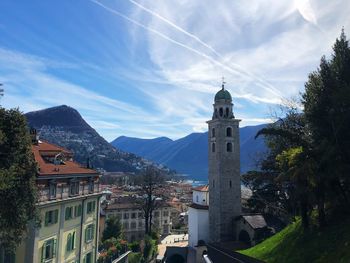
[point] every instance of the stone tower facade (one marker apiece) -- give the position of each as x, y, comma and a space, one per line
224, 169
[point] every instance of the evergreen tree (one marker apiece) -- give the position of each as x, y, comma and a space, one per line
327, 110
113, 228
17, 179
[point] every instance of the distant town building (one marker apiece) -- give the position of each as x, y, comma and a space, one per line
131, 216
68, 205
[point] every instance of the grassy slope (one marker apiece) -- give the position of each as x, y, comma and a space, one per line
294, 245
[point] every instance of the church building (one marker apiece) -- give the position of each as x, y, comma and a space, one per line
215, 214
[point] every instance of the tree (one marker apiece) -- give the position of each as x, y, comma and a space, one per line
290, 162
326, 104
113, 228
151, 179
17, 179
309, 158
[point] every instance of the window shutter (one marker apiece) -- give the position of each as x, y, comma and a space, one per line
86, 233
93, 206
69, 241
56, 216
43, 252
46, 218
73, 241
54, 248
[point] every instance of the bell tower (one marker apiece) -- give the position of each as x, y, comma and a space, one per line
224, 169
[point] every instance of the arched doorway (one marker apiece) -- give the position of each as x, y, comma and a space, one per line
244, 237
176, 258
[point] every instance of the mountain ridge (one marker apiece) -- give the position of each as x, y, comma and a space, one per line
188, 154
64, 126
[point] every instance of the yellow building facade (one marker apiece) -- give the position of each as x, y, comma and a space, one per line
68, 208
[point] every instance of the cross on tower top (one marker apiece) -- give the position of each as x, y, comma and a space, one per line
223, 83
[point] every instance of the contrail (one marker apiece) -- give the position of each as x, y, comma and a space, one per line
238, 68
176, 27
264, 85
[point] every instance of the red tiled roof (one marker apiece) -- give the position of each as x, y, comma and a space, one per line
45, 168
202, 188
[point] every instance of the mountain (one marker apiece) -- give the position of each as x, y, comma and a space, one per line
189, 155
64, 126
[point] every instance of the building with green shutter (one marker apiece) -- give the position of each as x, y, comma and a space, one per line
68, 206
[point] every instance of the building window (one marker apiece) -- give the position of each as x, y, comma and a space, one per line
140, 215
125, 225
77, 210
221, 112
49, 249
126, 215
133, 215
140, 223
51, 217
229, 132
165, 221
156, 214
74, 188
69, 213
213, 147
88, 258
71, 242
197, 198
229, 147
227, 112
90, 207
213, 132
133, 225
166, 213
52, 190
230, 183
91, 185
89, 233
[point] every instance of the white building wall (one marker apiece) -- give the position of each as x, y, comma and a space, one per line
198, 226
201, 198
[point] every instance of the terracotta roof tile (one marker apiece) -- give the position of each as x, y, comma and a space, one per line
46, 168
202, 188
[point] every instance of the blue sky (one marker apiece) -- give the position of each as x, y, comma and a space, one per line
151, 68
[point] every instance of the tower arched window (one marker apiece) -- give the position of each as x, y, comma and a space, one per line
230, 184
229, 132
221, 112
227, 112
229, 147
213, 132
213, 147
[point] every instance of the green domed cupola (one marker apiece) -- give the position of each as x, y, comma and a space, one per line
223, 95
223, 104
